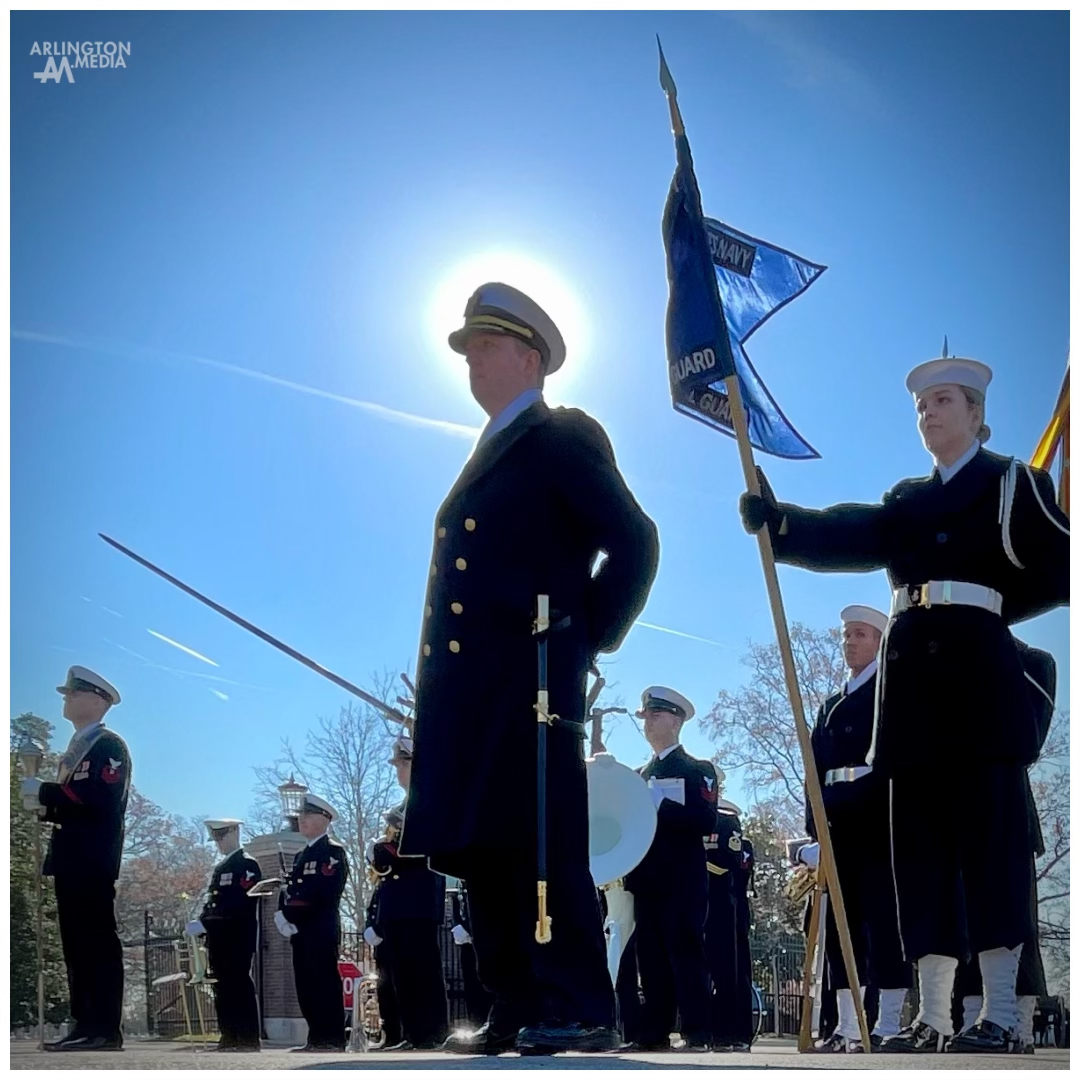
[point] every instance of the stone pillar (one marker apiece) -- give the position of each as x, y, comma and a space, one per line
282, 1020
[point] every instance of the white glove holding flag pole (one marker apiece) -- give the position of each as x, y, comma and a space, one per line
809, 855
29, 789
285, 928
461, 935
195, 928
373, 939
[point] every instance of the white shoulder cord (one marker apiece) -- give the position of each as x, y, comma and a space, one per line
1042, 505
1008, 493
1053, 704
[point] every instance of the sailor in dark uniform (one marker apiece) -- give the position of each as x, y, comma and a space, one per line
743, 889
857, 806
670, 885
409, 907
410, 902
536, 503
87, 806
970, 550
727, 938
308, 915
389, 1019
230, 921
1041, 670
477, 999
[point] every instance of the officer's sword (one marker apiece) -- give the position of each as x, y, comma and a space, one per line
352, 688
543, 718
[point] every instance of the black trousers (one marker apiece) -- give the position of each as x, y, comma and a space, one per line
962, 888
564, 981
477, 1000
318, 987
231, 949
866, 882
727, 951
628, 992
93, 955
410, 953
389, 1016
670, 932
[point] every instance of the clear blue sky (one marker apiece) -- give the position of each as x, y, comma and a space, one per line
295, 194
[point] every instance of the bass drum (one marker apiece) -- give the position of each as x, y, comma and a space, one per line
622, 819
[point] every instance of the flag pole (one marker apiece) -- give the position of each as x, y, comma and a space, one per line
783, 639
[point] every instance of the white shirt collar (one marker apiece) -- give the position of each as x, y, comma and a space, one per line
947, 472
862, 678
317, 838
510, 413
664, 753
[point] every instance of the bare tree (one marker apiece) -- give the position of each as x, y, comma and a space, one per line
1050, 786
754, 729
344, 759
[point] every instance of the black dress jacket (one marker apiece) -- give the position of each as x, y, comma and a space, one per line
676, 859
88, 812
229, 910
528, 515
951, 684
313, 895
407, 889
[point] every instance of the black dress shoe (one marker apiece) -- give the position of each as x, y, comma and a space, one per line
551, 1038
918, 1039
318, 1048
483, 1040
75, 1036
91, 1042
239, 1048
689, 1046
639, 1047
985, 1037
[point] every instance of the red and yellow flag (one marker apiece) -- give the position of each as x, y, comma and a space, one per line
1055, 437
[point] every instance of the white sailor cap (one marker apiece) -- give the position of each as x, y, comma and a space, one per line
312, 804
728, 805
860, 613
496, 308
219, 826
667, 700
403, 748
82, 678
949, 369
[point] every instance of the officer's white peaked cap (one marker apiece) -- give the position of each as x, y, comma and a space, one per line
949, 369
79, 674
859, 613
496, 308
220, 824
312, 803
667, 695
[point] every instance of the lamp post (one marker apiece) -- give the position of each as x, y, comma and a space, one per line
292, 801
30, 755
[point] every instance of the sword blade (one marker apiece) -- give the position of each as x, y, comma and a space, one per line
288, 650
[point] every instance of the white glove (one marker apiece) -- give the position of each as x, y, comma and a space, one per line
195, 928
808, 855
29, 790
371, 937
461, 935
285, 928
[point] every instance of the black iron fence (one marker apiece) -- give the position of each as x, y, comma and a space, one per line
777, 965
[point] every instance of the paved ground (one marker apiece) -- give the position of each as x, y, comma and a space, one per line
767, 1054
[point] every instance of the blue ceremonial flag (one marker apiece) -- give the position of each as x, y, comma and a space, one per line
723, 284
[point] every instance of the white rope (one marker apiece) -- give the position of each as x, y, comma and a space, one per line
1042, 505
1008, 493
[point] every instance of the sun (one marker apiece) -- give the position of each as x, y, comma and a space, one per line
552, 293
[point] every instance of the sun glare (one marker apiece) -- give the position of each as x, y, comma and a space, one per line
551, 292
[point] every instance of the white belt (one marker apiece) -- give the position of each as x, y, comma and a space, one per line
852, 772
935, 593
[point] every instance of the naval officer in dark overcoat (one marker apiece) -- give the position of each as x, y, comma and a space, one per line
230, 921
670, 885
976, 546
538, 501
856, 801
86, 806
